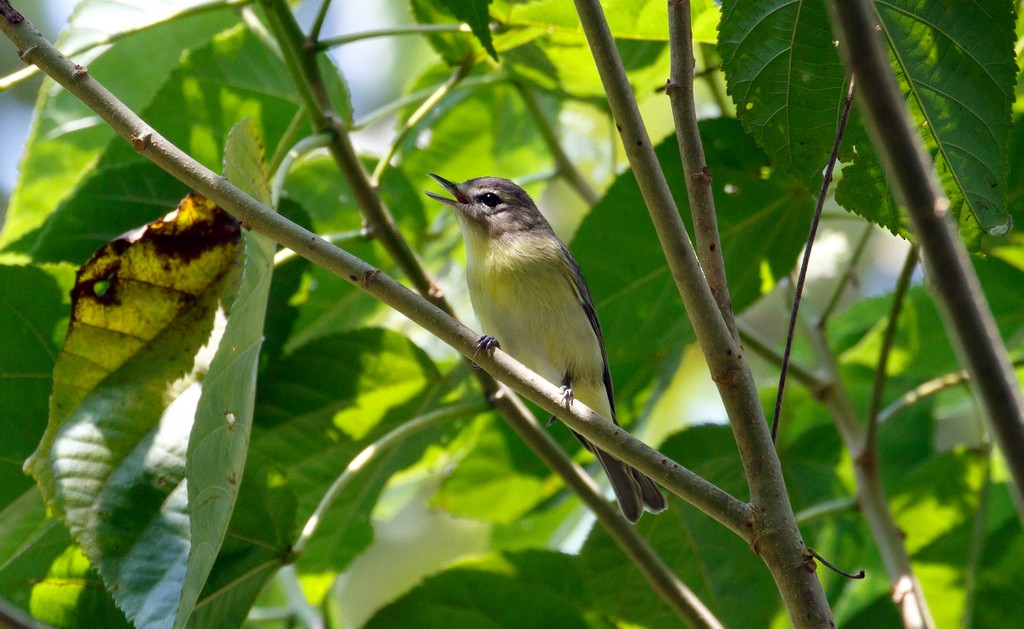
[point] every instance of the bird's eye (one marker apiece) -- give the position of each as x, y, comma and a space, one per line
489, 199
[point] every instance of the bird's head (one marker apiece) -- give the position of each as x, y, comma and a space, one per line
494, 204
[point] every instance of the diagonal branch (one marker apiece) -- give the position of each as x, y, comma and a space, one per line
965, 312
871, 498
892, 324
806, 261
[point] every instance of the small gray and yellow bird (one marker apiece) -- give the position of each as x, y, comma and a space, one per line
529, 293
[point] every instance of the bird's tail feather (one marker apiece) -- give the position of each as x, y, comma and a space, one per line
632, 488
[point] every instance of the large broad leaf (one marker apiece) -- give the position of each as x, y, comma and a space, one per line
33, 311
720, 568
112, 460
67, 136
786, 79
213, 87
529, 589
256, 545
498, 479
921, 349
779, 61
219, 441
318, 407
763, 217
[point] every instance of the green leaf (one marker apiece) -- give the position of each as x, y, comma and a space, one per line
33, 313
257, 544
106, 201
942, 53
563, 66
45, 573
866, 186
318, 407
529, 589
490, 483
627, 19
476, 133
124, 388
786, 79
109, 202
219, 441
784, 74
328, 304
763, 217
474, 13
936, 519
67, 136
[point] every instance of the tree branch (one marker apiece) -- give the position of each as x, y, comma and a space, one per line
966, 314
699, 492
926, 389
301, 57
892, 324
691, 152
303, 65
564, 165
806, 261
871, 499
801, 373
851, 266
775, 535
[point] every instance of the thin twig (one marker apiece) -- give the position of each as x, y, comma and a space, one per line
412, 29
289, 136
927, 389
318, 24
565, 166
851, 270
878, 385
298, 605
301, 60
445, 88
977, 544
302, 148
830, 566
340, 239
805, 262
418, 96
28, 72
965, 311
713, 79
753, 341
368, 454
691, 153
779, 541
302, 63
825, 509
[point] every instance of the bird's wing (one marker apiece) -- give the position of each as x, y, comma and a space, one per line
583, 292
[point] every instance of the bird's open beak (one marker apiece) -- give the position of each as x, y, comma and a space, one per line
453, 188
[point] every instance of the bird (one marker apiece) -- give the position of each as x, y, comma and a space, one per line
532, 301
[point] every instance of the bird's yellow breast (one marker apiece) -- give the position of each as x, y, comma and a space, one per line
522, 291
